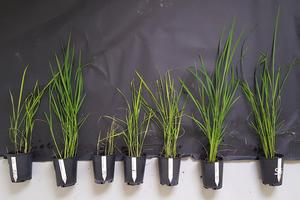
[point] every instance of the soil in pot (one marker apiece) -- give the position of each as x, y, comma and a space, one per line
272, 170
20, 167
65, 171
134, 168
169, 169
104, 168
212, 174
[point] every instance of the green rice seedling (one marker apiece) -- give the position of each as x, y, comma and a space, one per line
136, 122
65, 100
167, 111
22, 119
215, 93
109, 141
265, 97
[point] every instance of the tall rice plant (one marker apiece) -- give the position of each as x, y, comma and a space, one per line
136, 122
65, 100
167, 111
215, 93
265, 97
23, 117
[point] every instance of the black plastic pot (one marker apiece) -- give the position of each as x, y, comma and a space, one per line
272, 170
104, 168
65, 171
212, 174
134, 168
20, 167
169, 169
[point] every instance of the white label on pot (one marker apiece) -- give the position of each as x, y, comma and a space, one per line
170, 171
14, 168
133, 168
62, 170
279, 169
217, 176
104, 171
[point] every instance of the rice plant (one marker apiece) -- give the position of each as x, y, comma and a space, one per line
23, 117
109, 141
65, 100
215, 93
265, 97
166, 110
136, 122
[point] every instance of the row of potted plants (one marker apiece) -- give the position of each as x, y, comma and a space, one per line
213, 96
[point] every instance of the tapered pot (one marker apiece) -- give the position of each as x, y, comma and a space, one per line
104, 168
20, 167
65, 171
272, 170
212, 174
134, 168
169, 169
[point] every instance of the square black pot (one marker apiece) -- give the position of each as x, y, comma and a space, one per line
134, 168
212, 174
169, 169
20, 167
65, 171
104, 168
272, 170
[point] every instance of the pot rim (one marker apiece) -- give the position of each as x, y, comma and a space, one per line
100, 155
143, 156
73, 158
18, 154
178, 157
219, 159
277, 155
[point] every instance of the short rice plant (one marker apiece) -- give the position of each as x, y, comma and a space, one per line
23, 117
265, 97
167, 111
137, 121
65, 100
215, 93
108, 143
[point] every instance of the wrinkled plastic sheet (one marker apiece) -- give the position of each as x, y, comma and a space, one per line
118, 37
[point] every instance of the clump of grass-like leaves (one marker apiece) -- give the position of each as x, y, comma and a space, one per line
65, 100
216, 93
108, 143
265, 97
167, 111
22, 119
136, 122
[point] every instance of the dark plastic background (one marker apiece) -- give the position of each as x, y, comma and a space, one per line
151, 36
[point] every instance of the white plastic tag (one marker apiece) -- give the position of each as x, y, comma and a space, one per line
104, 171
279, 168
217, 176
14, 168
170, 171
133, 168
62, 170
